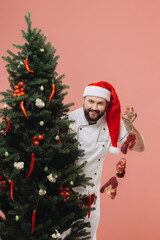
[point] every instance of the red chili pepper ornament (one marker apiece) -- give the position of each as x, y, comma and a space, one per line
11, 190
23, 109
7, 126
33, 220
27, 66
32, 165
53, 92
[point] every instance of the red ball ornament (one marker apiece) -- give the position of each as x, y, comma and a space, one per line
40, 137
22, 93
62, 193
65, 200
60, 189
18, 94
34, 138
66, 189
14, 95
23, 89
17, 91
16, 87
36, 143
21, 84
67, 194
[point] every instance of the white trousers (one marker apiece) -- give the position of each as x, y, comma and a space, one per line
94, 219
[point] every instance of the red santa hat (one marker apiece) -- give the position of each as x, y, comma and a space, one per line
113, 114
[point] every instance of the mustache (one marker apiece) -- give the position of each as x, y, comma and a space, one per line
96, 111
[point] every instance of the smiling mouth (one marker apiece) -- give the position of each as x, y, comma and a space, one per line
93, 113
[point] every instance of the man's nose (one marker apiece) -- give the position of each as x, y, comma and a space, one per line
94, 106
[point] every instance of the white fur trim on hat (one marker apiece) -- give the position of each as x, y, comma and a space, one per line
114, 150
97, 92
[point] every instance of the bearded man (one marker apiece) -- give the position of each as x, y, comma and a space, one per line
99, 128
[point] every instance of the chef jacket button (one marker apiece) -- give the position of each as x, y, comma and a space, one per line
80, 128
104, 129
99, 160
95, 173
80, 145
103, 145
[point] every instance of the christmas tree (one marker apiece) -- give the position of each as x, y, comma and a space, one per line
38, 151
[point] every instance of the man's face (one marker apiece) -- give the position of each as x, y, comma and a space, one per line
94, 108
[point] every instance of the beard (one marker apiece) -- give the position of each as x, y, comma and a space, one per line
93, 115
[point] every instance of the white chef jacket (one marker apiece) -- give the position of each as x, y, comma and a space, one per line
95, 141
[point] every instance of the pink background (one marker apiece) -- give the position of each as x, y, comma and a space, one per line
119, 42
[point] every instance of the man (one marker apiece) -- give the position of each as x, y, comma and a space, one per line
98, 125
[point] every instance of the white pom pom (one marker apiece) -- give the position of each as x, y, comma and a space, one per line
114, 150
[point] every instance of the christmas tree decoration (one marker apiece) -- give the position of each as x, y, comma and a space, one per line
40, 137
42, 192
52, 178
53, 92
65, 193
57, 138
6, 154
23, 109
11, 189
19, 165
32, 165
9, 123
21, 84
16, 87
39, 103
71, 183
41, 88
32, 174
34, 138
20, 64
22, 89
41, 123
56, 235
2, 185
36, 143
33, 220
42, 50
19, 91
27, 66
16, 218
46, 169
5, 106
88, 202
72, 127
